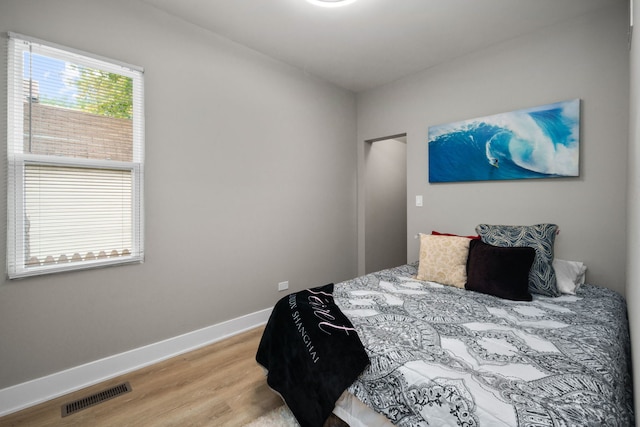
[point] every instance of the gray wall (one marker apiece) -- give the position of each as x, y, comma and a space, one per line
585, 58
250, 181
633, 225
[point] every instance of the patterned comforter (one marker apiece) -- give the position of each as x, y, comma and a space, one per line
442, 356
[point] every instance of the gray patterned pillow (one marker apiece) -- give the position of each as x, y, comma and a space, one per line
541, 237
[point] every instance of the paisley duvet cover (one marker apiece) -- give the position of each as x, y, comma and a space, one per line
443, 356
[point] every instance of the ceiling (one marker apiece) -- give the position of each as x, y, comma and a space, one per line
373, 42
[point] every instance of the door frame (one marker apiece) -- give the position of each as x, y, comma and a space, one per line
363, 147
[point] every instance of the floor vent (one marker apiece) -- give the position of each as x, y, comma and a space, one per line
94, 399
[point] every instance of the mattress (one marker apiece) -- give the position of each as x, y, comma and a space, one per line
444, 356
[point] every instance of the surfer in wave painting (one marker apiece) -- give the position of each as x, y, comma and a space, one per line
493, 161
541, 142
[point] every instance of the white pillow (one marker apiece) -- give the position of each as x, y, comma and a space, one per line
570, 275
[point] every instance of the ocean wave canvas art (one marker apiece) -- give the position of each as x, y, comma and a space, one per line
539, 142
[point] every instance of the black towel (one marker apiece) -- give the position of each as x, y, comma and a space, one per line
311, 352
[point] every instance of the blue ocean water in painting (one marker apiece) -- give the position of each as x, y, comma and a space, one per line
541, 142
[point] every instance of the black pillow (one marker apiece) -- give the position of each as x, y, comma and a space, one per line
499, 271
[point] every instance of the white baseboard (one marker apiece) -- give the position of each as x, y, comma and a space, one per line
24, 395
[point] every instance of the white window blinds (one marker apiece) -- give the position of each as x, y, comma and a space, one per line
75, 160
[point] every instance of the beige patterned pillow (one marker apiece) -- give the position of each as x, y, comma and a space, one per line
443, 259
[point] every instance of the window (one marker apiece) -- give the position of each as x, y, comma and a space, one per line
75, 148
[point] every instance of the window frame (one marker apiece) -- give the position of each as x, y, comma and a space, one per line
17, 159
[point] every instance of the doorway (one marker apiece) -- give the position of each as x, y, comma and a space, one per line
385, 202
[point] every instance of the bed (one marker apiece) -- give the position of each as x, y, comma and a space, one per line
444, 355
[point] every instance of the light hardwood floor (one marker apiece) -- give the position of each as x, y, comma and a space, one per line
218, 385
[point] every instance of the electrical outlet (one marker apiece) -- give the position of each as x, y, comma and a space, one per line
283, 286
